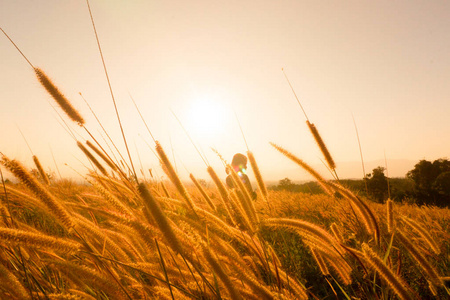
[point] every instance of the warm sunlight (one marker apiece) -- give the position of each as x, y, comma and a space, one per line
207, 117
172, 149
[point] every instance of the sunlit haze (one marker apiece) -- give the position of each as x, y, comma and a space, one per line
212, 63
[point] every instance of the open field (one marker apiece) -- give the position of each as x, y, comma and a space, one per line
122, 235
116, 239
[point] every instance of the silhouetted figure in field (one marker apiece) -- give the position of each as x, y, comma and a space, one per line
239, 164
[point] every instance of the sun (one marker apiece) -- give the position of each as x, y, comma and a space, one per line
207, 117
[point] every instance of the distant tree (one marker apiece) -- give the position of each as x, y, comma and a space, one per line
377, 184
442, 184
431, 182
35, 173
286, 184
202, 182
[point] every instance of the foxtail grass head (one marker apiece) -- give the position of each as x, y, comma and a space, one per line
44, 176
322, 146
62, 101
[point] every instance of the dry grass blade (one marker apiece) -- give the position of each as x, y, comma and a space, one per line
164, 188
390, 215
111, 91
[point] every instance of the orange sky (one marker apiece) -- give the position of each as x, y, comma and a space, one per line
385, 62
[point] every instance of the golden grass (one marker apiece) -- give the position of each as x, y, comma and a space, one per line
204, 255
125, 238
39, 190
400, 287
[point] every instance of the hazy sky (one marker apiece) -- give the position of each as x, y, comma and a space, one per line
385, 62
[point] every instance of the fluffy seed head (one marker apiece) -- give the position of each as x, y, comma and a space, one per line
62, 101
38, 189
400, 287
92, 158
153, 207
259, 179
433, 275
321, 145
305, 166
102, 156
424, 234
172, 174
41, 170
38, 240
222, 191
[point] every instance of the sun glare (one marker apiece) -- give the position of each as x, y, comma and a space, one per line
207, 117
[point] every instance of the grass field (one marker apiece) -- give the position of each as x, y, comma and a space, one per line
122, 237
115, 239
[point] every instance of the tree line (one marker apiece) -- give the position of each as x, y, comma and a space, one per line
428, 183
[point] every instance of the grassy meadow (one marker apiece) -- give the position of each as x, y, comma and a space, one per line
122, 237
116, 238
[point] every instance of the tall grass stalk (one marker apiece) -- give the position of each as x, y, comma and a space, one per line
223, 193
44, 176
246, 200
390, 215
161, 220
102, 155
305, 166
258, 176
111, 91
323, 148
361, 155
91, 157
218, 270
173, 176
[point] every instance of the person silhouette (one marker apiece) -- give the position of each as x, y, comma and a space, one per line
239, 164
